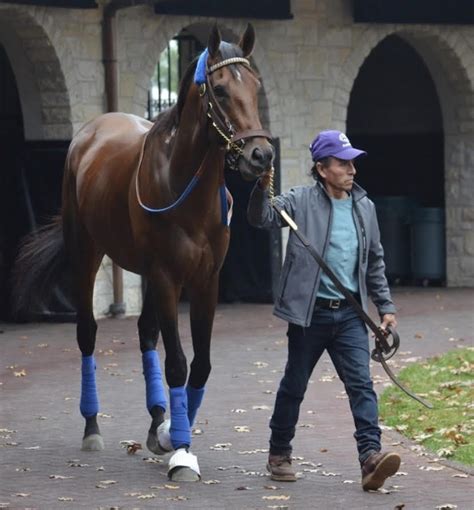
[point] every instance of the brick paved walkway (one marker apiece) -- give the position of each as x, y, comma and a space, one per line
42, 466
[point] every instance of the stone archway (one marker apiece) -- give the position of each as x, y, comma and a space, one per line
448, 56
134, 76
32, 189
41, 83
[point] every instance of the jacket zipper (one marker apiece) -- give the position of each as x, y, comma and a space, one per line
322, 255
364, 237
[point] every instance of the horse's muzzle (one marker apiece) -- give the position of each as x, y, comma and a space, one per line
261, 158
257, 158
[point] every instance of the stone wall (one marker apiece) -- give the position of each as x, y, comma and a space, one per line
308, 66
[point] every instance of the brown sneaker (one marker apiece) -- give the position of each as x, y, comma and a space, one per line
280, 468
377, 468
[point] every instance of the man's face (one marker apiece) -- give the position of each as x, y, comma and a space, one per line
338, 176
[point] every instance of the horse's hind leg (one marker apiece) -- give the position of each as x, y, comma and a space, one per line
86, 260
148, 330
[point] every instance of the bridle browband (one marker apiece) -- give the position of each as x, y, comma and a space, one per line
235, 141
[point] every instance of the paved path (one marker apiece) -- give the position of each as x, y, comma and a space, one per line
42, 466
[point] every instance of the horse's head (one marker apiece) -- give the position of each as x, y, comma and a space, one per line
232, 90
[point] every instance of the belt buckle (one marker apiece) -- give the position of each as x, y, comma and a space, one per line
334, 304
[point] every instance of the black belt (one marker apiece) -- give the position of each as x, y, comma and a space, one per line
332, 304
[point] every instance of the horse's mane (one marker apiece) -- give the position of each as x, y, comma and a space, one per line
168, 119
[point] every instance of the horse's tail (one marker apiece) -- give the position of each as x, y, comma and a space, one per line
41, 260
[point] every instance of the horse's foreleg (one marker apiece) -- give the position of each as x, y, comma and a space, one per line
203, 305
148, 330
183, 465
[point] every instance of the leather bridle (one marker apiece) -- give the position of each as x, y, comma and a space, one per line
235, 141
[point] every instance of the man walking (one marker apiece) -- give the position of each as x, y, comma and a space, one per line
340, 221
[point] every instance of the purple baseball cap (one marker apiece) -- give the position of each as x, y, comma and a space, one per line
333, 143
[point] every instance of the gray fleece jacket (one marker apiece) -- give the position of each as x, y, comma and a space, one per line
311, 209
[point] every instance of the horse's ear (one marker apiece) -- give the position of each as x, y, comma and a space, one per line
248, 40
214, 41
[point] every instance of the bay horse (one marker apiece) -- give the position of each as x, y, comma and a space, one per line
152, 197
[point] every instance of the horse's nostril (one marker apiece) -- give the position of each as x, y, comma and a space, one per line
258, 155
261, 157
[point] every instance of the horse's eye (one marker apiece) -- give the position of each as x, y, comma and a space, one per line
220, 92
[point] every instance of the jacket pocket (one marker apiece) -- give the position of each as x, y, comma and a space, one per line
298, 282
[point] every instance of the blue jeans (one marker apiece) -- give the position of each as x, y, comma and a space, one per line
342, 332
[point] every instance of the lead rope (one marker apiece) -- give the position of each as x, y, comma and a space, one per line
383, 349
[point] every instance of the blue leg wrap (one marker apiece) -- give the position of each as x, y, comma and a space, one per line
155, 391
180, 431
194, 402
89, 405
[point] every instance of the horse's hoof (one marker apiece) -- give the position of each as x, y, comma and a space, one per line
183, 474
183, 467
161, 442
92, 443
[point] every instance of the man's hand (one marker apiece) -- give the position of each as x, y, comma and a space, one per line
388, 320
264, 181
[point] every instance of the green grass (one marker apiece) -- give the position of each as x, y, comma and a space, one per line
447, 382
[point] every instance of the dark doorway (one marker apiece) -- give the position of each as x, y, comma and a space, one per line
394, 114
251, 268
30, 193
13, 222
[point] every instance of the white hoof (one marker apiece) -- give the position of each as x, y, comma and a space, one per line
164, 437
92, 443
183, 467
161, 442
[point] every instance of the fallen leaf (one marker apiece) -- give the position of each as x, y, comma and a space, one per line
76, 463
60, 477
21, 373
147, 496
65, 498
431, 468
211, 482
133, 448
221, 446
171, 487
241, 428
243, 488
282, 497
22, 494
105, 484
